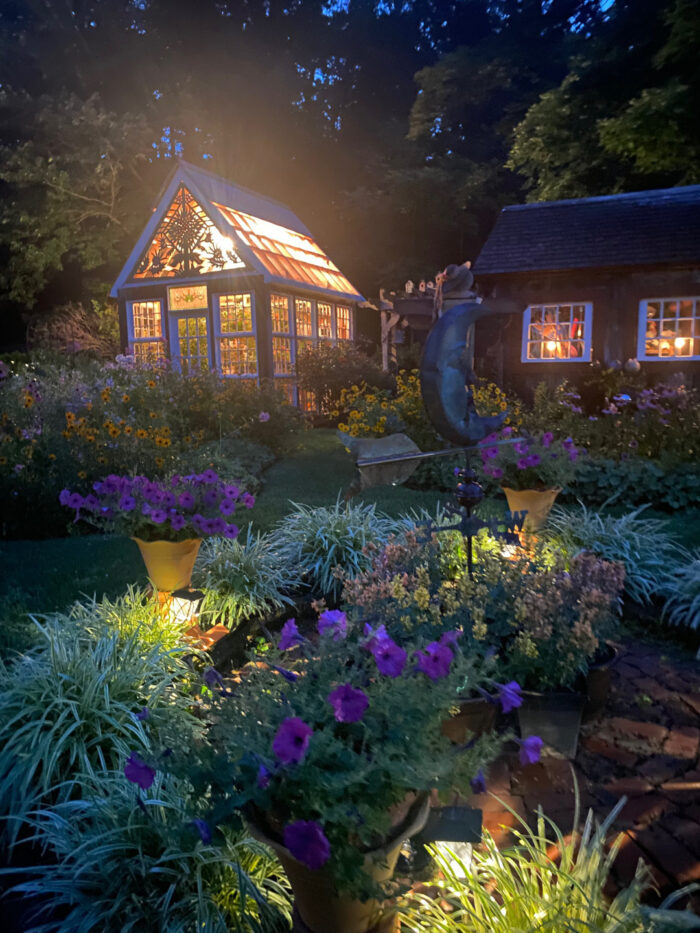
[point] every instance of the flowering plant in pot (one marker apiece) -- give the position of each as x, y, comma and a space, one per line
328, 747
167, 518
532, 470
559, 617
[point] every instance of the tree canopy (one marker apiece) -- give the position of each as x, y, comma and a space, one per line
395, 128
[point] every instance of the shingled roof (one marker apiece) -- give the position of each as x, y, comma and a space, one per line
640, 228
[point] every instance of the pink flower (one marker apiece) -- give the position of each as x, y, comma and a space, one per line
292, 740
349, 704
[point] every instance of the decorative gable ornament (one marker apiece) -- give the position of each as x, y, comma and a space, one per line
187, 243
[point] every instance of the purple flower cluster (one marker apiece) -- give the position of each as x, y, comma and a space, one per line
506, 461
389, 657
196, 505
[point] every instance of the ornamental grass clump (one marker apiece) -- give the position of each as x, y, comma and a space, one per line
547, 882
175, 509
528, 462
329, 544
323, 739
683, 600
147, 868
648, 552
242, 579
73, 707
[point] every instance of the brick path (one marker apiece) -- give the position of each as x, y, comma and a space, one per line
644, 746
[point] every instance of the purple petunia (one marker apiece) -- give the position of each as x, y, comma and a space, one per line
333, 621
211, 497
509, 696
521, 448
231, 492
497, 473
491, 452
290, 635
138, 772
349, 704
158, 516
142, 715
204, 830
75, 500
307, 842
217, 525
450, 638
186, 500
435, 661
388, 656
530, 749
127, 503
64, 495
522, 464
292, 740
227, 507
177, 522
547, 438
208, 477
264, 416
248, 500
263, 779
533, 460
231, 531
478, 783
91, 502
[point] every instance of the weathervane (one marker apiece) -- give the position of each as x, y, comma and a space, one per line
447, 378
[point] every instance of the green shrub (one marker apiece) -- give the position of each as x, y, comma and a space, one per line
326, 371
636, 482
538, 886
330, 544
245, 578
648, 552
68, 707
683, 595
121, 867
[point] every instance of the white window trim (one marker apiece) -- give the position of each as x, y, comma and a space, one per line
587, 333
218, 334
131, 339
173, 318
641, 330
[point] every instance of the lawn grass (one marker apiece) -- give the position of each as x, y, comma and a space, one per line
50, 574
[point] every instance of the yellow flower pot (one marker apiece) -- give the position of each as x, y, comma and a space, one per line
169, 563
536, 502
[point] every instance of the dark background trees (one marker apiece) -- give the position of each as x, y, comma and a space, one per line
395, 128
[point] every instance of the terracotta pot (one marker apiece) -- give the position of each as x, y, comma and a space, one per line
598, 681
554, 717
169, 563
536, 502
475, 717
316, 900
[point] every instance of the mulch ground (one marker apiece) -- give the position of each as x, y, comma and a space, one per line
645, 746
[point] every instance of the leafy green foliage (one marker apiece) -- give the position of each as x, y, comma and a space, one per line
67, 708
683, 603
549, 879
122, 867
329, 544
245, 578
354, 770
649, 553
326, 371
601, 481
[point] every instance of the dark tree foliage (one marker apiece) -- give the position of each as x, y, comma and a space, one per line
395, 128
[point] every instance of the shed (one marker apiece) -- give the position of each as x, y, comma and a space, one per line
610, 278
226, 279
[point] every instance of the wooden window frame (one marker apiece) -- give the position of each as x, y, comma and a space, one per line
587, 353
173, 319
642, 322
132, 340
219, 335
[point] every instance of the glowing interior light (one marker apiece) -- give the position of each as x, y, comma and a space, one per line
184, 606
551, 345
679, 343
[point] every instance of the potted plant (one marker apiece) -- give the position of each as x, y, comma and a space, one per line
559, 617
532, 470
166, 518
328, 748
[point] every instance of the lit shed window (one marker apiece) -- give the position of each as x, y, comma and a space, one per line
325, 320
344, 323
146, 330
282, 356
236, 340
302, 317
279, 312
557, 332
669, 328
